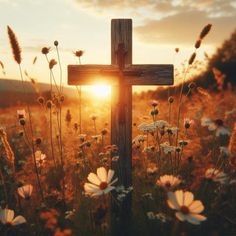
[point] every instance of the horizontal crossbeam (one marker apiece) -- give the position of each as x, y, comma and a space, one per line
109, 74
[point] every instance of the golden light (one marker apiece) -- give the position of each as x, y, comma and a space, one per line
100, 91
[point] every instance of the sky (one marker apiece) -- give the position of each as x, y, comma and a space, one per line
158, 28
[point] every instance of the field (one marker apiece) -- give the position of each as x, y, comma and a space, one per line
70, 209
60, 175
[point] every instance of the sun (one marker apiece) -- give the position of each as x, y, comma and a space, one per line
101, 91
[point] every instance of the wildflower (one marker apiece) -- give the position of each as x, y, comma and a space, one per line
154, 103
115, 158
104, 131
144, 127
148, 196
167, 148
78, 53
52, 63
49, 104
176, 50
45, 50
183, 142
187, 208
96, 137
152, 169
154, 112
151, 215
7, 218
168, 181
139, 139
170, 99
40, 158
100, 183
160, 124
216, 175
25, 191
188, 123
41, 100
69, 214
162, 217
172, 130
93, 117
21, 114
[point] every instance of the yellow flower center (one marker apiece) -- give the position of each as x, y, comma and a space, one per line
103, 185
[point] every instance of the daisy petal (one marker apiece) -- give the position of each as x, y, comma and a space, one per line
179, 197
172, 201
110, 175
97, 193
9, 215
180, 216
188, 198
115, 180
90, 187
93, 178
191, 219
102, 174
196, 207
108, 189
198, 217
19, 220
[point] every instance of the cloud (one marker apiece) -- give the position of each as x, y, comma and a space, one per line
170, 21
184, 28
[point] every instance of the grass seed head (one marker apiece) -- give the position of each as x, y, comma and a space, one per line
16, 50
205, 31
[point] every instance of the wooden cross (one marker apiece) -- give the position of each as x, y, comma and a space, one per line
121, 75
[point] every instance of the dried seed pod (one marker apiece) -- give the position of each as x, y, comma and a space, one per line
52, 63
176, 50
192, 58
198, 43
192, 85
56, 43
170, 99
45, 50
205, 31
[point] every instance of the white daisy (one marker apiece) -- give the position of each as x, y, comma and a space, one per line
167, 148
168, 181
216, 175
7, 218
25, 191
100, 183
160, 124
187, 208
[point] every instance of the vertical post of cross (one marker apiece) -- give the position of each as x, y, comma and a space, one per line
121, 129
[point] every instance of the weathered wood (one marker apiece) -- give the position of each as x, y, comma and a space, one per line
109, 74
121, 75
121, 129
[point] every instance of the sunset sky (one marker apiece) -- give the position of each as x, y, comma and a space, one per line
159, 26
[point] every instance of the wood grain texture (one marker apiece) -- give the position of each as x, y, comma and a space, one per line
109, 74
